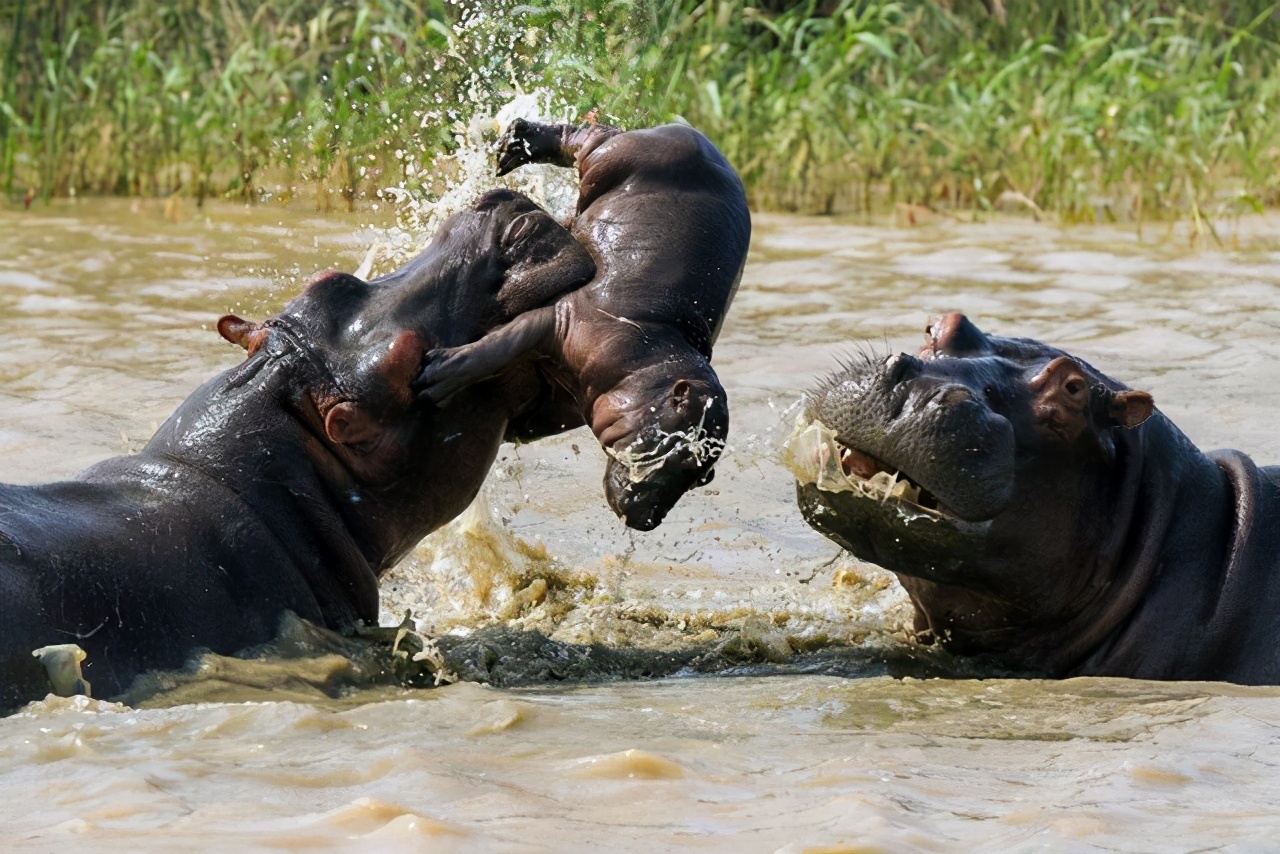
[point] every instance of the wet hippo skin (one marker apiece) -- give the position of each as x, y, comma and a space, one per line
290, 482
1040, 513
665, 217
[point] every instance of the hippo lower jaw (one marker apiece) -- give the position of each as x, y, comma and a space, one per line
642, 496
647, 475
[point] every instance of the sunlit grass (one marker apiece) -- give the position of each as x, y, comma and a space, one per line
1084, 109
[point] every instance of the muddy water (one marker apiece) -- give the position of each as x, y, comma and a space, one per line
105, 317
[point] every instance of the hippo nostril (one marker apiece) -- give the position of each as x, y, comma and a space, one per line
901, 368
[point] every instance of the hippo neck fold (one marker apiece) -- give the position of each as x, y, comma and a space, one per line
1146, 547
628, 348
1174, 505
1216, 563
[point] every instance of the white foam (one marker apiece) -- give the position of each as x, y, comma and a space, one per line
642, 457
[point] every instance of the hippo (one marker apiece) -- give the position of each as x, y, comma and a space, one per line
290, 482
665, 218
1042, 516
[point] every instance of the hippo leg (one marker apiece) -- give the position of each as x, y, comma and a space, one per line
559, 144
448, 371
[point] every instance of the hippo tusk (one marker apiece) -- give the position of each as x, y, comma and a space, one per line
62, 663
370, 258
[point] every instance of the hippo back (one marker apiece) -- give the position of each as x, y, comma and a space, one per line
667, 218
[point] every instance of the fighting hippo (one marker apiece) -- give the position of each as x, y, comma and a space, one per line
1040, 513
290, 482
665, 217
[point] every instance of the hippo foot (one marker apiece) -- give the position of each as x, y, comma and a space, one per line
445, 373
528, 142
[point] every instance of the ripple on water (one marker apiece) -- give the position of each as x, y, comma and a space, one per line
109, 340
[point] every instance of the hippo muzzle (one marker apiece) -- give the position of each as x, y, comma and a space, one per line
914, 432
645, 478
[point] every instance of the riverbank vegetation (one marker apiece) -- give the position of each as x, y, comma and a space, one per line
1082, 109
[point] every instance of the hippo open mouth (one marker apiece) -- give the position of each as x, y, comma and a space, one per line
872, 473
816, 455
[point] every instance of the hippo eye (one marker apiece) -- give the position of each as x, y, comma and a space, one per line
991, 394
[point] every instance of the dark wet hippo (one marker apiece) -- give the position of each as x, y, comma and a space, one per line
1038, 511
290, 482
666, 219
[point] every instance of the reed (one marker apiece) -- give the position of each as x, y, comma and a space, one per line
1083, 109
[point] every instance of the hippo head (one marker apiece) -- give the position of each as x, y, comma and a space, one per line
357, 346
979, 463
664, 427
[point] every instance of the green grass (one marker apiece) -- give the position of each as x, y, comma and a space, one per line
1087, 109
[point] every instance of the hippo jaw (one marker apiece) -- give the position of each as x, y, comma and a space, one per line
878, 513
644, 480
817, 457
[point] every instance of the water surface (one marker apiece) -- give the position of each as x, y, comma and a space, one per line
106, 323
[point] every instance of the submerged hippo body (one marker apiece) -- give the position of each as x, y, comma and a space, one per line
288, 483
1040, 513
665, 217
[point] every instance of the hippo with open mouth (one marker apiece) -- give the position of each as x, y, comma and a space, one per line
287, 483
665, 217
1041, 514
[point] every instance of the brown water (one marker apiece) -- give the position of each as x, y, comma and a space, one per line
106, 312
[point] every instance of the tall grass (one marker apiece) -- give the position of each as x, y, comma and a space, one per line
1084, 108
153, 97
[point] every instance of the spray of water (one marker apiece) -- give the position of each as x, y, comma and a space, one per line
457, 178
474, 569
477, 570
504, 61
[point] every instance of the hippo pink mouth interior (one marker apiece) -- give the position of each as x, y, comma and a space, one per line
855, 463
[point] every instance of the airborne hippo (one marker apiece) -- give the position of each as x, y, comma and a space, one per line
665, 217
290, 482
1040, 513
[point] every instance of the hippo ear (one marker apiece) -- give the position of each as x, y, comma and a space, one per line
1062, 396
1128, 409
246, 333
352, 426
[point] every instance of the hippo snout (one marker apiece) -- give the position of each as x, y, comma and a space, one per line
643, 499
641, 504
921, 423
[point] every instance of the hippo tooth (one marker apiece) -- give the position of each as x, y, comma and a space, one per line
905, 491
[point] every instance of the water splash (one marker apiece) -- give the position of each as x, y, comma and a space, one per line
476, 571
454, 180
472, 571
504, 62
